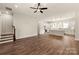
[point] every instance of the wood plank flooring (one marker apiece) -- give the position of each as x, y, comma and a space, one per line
42, 45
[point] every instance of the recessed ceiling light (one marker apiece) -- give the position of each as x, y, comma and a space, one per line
16, 6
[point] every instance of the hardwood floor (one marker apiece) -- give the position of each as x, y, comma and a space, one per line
44, 45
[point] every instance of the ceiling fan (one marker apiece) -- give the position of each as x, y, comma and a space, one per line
38, 8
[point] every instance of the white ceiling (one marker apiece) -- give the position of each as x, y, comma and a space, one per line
53, 8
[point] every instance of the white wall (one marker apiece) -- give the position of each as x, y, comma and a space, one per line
77, 28
25, 25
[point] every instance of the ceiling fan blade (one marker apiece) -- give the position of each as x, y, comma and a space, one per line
8, 8
33, 8
43, 8
35, 11
41, 11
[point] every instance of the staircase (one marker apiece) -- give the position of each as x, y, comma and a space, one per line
8, 37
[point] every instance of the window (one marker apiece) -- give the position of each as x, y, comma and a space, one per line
59, 25
65, 25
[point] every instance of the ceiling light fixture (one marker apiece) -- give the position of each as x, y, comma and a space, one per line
39, 8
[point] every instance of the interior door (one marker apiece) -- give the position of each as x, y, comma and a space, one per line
6, 26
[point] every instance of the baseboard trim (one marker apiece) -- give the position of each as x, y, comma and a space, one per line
27, 36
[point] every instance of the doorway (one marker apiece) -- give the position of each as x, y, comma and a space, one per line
6, 26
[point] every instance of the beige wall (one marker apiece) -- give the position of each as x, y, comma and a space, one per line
25, 25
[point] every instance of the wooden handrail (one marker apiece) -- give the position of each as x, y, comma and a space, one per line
5, 36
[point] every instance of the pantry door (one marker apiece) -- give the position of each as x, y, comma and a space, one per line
6, 24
